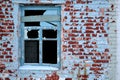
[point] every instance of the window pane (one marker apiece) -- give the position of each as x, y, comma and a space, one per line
32, 24
34, 12
50, 52
50, 33
31, 51
48, 24
32, 33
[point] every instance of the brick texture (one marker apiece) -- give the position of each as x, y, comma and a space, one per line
86, 41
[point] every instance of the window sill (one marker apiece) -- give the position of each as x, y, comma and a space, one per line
27, 67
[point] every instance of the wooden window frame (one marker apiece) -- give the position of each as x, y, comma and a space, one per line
41, 18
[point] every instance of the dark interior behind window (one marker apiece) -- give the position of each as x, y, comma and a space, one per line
50, 33
50, 52
31, 51
33, 13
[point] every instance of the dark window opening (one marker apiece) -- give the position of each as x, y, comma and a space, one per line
50, 33
49, 52
32, 34
32, 23
31, 51
34, 12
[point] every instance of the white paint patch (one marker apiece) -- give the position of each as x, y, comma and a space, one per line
27, 67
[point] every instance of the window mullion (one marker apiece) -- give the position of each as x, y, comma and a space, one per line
40, 43
58, 44
22, 41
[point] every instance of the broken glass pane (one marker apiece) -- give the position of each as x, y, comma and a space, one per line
51, 12
49, 52
31, 51
32, 24
49, 33
31, 34
47, 23
34, 12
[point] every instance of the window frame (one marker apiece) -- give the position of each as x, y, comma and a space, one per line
41, 28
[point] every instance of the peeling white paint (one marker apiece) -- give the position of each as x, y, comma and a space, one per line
27, 67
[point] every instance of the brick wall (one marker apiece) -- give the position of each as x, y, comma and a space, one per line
88, 41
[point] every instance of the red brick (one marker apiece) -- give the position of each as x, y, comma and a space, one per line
72, 42
93, 42
9, 27
11, 9
1, 12
82, 20
96, 65
11, 23
88, 24
72, 35
80, 46
11, 60
80, 2
6, 12
85, 76
94, 35
5, 44
81, 57
25, 79
81, 49
11, 30
87, 35
106, 50
67, 38
67, 9
74, 20
73, 38
8, 56
7, 79
69, 2
2, 16
5, 34
36, 1
68, 79
98, 31
8, 49
3, 5
0, 8
10, 52
1, 71
97, 24
71, 50
89, 28
73, 17
4, 52
103, 31
1, 56
89, 31
2, 66
82, 35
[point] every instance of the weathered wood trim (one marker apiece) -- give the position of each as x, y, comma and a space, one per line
40, 18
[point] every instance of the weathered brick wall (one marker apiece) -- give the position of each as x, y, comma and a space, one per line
87, 46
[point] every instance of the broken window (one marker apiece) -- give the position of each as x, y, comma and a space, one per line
49, 52
50, 33
31, 51
41, 35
